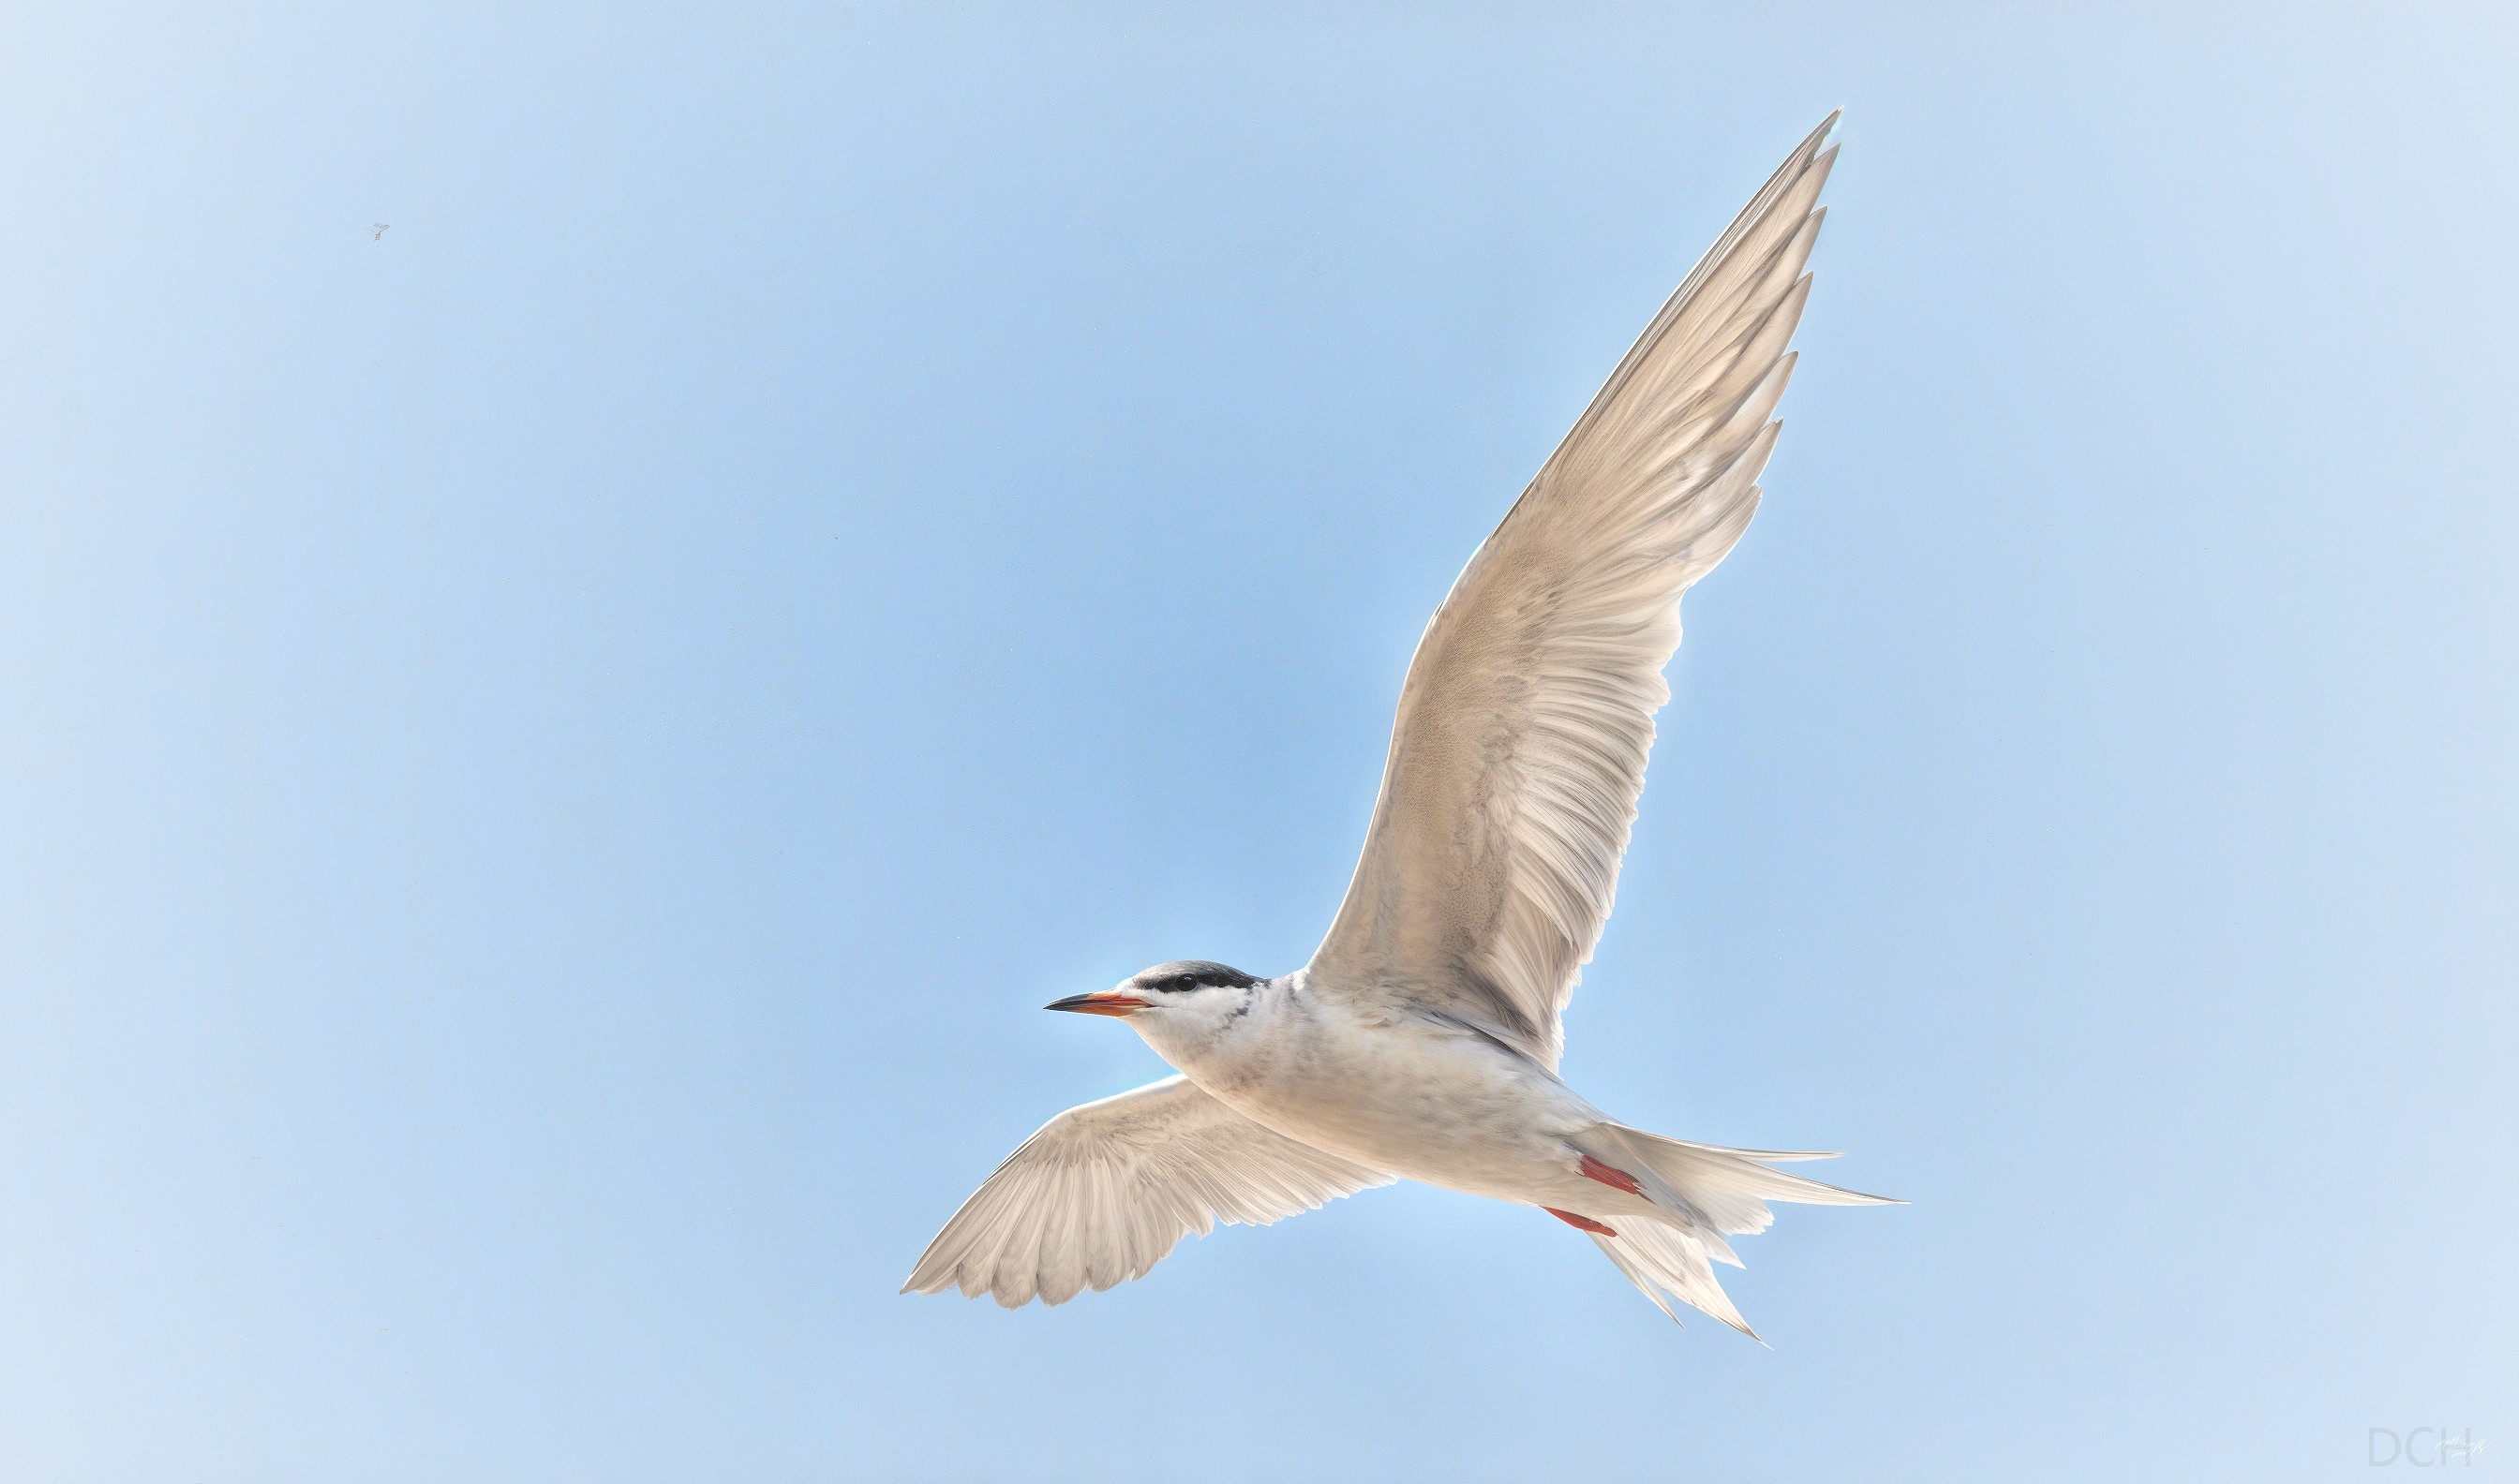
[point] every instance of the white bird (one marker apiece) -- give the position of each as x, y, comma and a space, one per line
1421, 1039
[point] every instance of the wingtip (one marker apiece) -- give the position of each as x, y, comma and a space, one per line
1818, 147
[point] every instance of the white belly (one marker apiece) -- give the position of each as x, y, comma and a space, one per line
1423, 1102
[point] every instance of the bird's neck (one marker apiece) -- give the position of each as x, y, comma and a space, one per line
1223, 1037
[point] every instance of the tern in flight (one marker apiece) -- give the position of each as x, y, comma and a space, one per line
1421, 1039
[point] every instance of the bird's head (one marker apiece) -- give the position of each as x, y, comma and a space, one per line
1184, 1001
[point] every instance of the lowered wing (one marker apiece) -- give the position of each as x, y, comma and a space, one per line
1103, 1191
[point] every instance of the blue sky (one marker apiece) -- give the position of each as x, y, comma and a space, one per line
551, 754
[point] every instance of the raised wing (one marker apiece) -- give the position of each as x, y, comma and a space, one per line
1527, 717
1103, 1191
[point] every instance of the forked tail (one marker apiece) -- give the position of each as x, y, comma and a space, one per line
1701, 1193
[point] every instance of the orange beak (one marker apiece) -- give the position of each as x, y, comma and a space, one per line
1099, 1002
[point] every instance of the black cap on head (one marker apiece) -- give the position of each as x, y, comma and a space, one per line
1194, 973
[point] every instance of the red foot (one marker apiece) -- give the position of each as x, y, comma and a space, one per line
1608, 1175
1585, 1223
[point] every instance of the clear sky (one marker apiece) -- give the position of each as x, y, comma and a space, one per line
598, 605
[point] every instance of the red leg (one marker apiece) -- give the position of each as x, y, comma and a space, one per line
1610, 1176
1583, 1223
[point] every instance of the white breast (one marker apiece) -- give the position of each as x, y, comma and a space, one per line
1414, 1096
